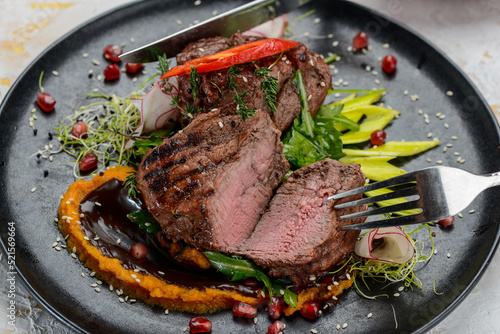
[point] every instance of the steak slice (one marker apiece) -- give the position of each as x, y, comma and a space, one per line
215, 91
298, 236
209, 184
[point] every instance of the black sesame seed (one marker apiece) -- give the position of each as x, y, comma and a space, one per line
50, 136
233, 124
38, 155
101, 173
45, 173
189, 90
35, 131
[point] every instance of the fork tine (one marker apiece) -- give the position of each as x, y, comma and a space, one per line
384, 197
399, 221
380, 211
401, 179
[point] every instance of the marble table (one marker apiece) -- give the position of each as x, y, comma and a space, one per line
467, 31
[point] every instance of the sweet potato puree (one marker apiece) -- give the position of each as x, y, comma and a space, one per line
149, 288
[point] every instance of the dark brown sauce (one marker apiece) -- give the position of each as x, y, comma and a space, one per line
109, 223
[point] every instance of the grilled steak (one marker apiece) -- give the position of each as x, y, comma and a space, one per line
298, 235
215, 90
210, 184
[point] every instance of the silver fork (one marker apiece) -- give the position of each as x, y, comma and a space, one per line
439, 192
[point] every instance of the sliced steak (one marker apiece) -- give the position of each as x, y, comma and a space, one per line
210, 184
298, 236
215, 91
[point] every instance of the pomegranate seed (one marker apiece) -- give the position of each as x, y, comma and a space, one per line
310, 310
378, 137
275, 307
111, 52
133, 68
360, 41
45, 101
447, 221
276, 327
389, 64
200, 325
79, 129
88, 162
244, 310
139, 251
111, 72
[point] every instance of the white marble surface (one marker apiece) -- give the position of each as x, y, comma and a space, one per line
468, 31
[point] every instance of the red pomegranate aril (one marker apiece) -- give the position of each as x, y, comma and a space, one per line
45, 101
111, 52
310, 310
88, 162
275, 307
200, 325
360, 41
133, 68
244, 310
389, 64
276, 327
139, 250
378, 137
79, 129
447, 221
111, 72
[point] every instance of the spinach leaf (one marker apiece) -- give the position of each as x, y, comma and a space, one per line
145, 220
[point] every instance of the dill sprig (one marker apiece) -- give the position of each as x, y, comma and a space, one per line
131, 184
269, 85
194, 82
239, 98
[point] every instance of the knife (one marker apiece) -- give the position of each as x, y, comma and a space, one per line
239, 19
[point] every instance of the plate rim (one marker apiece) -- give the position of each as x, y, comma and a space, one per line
423, 329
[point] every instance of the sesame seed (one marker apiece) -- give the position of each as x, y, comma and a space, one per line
322, 84
73, 250
428, 160
314, 331
54, 244
442, 117
454, 137
460, 215
262, 294
93, 285
363, 51
435, 251
99, 282
439, 162
185, 329
374, 72
446, 125
306, 34
334, 298
385, 45
414, 97
97, 290
448, 255
138, 280
111, 287
56, 220
369, 315
317, 20
449, 93
472, 211
33, 189
132, 300
132, 39
329, 35
83, 274
312, 278
215, 12
134, 276
309, 98
166, 311
335, 283
429, 135
63, 246
401, 288
179, 22
96, 62
245, 79
338, 327
161, 273
426, 121
329, 288
349, 48
396, 294
420, 111
368, 68
405, 92
445, 148
97, 203
92, 274
346, 83
57, 248
335, 43
55, 73
311, 62
121, 300
344, 325
255, 320
377, 81
85, 55
348, 276
282, 292
201, 49
86, 238
197, 2
99, 78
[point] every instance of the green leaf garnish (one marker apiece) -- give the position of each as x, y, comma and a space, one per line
145, 220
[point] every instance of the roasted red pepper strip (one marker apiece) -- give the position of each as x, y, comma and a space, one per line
238, 55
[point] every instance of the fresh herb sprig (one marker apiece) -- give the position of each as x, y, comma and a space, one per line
163, 65
239, 98
195, 82
131, 184
269, 85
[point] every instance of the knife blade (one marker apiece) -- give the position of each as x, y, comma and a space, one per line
239, 19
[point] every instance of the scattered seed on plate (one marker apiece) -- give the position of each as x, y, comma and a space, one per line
317, 20
132, 39
396, 294
314, 331
166, 311
255, 320
33, 189
445, 149
439, 162
96, 62
99, 77
448, 255
338, 327
401, 288
57, 248
435, 251
472, 211
121, 300
335, 283
449, 93
414, 97
329, 35
161, 272
374, 72
55, 73
92, 274
335, 43
405, 92
428, 160
349, 48
197, 2
377, 81
93, 285
334, 298
214, 13
385, 45
54, 244
369, 315
85, 55
97, 203
348, 277
460, 215
454, 137
344, 325
446, 125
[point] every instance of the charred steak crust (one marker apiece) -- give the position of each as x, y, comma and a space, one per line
298, 235
215, 90
209, 184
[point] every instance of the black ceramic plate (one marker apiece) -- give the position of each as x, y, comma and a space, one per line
54, 278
